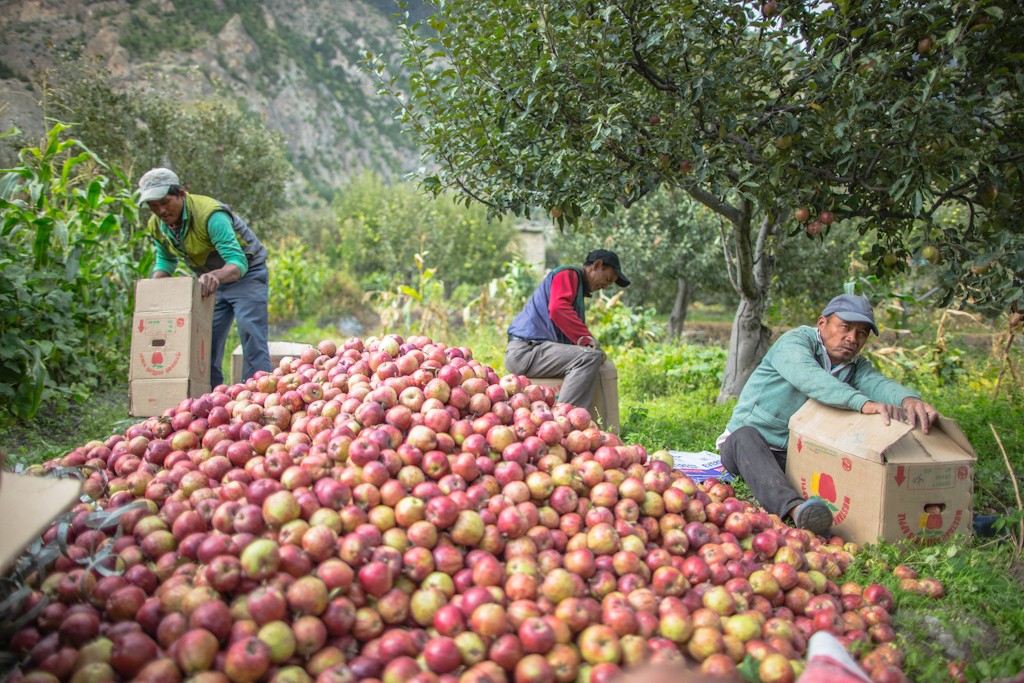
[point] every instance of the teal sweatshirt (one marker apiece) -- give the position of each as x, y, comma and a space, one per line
792, 371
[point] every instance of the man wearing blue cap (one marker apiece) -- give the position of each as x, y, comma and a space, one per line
822, 363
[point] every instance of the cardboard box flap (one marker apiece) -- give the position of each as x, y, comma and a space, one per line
27, 506
935, 446
847, 430
155, 295
951, 429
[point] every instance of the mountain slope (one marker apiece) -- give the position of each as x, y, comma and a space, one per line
295, 62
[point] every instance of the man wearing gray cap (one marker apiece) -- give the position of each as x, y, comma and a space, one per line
222, 250
822, 363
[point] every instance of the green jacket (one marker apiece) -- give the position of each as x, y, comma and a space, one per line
212, 235
792, 371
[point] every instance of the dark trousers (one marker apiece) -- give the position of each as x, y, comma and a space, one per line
763, 468
244, 301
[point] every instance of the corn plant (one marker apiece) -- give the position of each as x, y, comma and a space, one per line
69, 258
422, 307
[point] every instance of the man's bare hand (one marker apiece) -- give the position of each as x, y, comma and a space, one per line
888, 411
919, 414
210, 283
914, 412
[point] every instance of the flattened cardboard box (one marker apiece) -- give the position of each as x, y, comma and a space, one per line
171, 330
27, 505
151, 397
892, 481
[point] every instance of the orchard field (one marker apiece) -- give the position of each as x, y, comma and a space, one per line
390, 505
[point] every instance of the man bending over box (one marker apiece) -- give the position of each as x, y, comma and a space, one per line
822, 363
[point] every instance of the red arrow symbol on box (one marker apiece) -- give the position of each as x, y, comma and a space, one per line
142, 326
899, 476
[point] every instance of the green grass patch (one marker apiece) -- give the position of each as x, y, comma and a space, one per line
61, 427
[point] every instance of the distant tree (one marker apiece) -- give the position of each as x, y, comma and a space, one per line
884, 111
384, 226
215, 148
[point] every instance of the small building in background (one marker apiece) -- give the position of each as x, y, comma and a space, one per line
531, 241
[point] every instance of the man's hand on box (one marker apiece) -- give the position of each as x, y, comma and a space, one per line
210, 283
888, 411
914, 412
919, 413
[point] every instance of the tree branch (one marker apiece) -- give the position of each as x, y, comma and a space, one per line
719, 206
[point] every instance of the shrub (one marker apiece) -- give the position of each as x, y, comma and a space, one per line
69, 258
666, 369
384, 227
303, 284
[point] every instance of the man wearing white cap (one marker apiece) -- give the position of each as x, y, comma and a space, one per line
222, 250
822, 363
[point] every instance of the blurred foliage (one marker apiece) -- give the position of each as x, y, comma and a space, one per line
664, 369
301, 282
501, 299
615, 324
418, 309
384, 226
69, 258
216, 149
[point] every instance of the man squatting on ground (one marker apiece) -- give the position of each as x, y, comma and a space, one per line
822, 363
550, 338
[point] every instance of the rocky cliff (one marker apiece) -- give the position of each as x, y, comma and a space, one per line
297, 62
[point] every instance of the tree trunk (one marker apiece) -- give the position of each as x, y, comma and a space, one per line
681, 305
748, 342
750, 262
751, 271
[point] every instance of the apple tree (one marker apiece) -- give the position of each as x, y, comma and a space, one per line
669, 246
783, 118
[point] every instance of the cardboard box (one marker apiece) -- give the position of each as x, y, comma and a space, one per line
170, 347
278, 350
154, 396
171, 330
604, 408
892, 482
27, 506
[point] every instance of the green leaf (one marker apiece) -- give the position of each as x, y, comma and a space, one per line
29, 393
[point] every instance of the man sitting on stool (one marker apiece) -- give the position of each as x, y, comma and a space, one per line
550, 338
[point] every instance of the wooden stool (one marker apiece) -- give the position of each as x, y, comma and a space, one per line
605, 406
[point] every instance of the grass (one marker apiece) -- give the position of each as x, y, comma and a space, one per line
668, 399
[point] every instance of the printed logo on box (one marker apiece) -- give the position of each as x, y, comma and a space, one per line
154, 363
929, 527
823, 486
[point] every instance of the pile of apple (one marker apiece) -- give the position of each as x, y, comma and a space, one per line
392, 510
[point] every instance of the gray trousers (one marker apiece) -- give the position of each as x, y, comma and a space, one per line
579, 366
244, 301
763, 468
